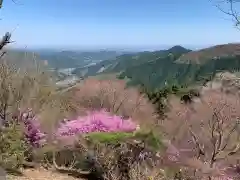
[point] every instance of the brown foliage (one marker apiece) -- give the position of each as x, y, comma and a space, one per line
206, 131
210, 53
32, 87
116, 98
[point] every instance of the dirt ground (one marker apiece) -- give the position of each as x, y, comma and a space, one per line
40, 174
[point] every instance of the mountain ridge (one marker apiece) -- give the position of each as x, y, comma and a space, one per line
125, 61
158, 72
176, 65
211, 53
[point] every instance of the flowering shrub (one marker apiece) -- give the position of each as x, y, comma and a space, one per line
32, 131
96, 121
112, 95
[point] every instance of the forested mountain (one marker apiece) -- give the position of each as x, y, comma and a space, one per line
122, 62
166, 71
177, 65
199, 67
214, 52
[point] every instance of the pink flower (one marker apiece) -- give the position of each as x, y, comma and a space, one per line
96, 121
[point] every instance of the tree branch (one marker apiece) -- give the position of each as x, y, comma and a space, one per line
231, 12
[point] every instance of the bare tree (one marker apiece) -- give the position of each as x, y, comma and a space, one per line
113, 96
205, 135
229, 7
1, 3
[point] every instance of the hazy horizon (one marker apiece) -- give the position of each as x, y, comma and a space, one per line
95, 24
120, 49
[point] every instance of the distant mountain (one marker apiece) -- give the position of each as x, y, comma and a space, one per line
195, 67
155, 69
129, 60
72, 59
177, 65
214, 52
93, 70
125, 61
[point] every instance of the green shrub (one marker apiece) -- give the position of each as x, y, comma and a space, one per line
149, 138
111, 138
12, 146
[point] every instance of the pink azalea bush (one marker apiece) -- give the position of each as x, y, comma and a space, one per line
33, 134
95, 121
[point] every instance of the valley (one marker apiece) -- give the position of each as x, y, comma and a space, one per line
175, 66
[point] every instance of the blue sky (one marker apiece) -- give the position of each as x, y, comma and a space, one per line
115, 23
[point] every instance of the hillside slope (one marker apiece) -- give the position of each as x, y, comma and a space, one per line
158, 73
211, 53
169, 70
125, 61
177, 65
